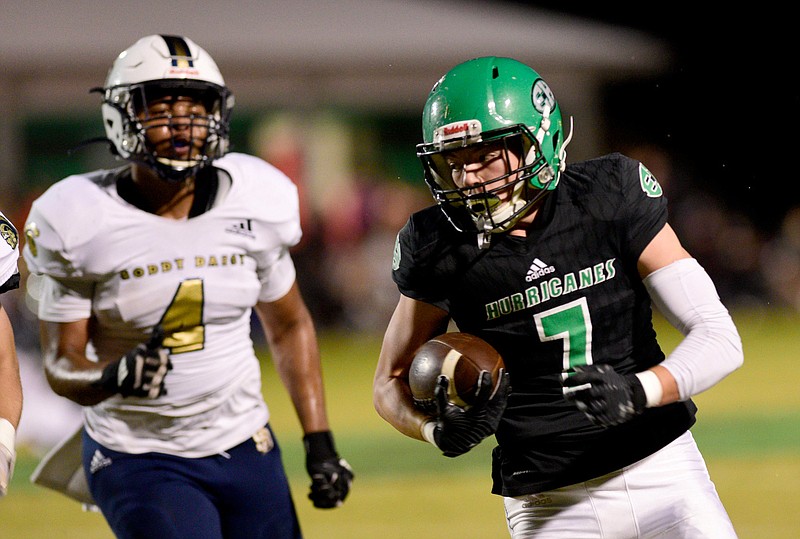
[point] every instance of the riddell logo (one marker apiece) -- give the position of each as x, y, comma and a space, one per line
538, 269
455, 129
183, 71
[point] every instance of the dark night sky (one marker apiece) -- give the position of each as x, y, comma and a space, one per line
726, 109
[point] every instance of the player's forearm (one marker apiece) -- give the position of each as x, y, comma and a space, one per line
308, 399
11, 393
67, 369
11, 401
10, 384
293, 344
296, 356
712, 348
76, 379
412, 323
392, 400
667, 390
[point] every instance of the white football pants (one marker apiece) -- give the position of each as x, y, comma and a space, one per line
666, 495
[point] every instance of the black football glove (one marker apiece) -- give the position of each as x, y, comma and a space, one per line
331, 475
608, 398
457, 429
140, 372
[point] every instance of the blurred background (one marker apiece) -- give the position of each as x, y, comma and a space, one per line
332, 93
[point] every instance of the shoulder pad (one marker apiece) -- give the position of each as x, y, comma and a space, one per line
59, 224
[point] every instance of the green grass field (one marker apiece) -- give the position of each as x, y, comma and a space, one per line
748, 430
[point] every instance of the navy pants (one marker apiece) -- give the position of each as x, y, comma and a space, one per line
243, 494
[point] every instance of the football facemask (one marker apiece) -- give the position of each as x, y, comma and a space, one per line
497, 203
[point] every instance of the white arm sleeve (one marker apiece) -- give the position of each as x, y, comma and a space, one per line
711, 349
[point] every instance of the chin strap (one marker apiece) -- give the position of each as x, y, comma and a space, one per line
544, 126
562, 153
485, 232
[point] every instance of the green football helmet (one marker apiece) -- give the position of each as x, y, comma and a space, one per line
492, 100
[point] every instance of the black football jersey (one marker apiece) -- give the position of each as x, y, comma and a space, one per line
567, 294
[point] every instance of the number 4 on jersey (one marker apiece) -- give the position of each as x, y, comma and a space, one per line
183, 319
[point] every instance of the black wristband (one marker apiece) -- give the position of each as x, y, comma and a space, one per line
319, 444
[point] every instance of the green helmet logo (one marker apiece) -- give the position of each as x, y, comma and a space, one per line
542, 96
492, 100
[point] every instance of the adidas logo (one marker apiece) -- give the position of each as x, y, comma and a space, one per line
99, 461
538, 269
242, 228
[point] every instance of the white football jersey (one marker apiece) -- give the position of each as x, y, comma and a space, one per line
129, 270
9, 254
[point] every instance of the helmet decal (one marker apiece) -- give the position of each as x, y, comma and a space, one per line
542, 96
179, 51
458, 131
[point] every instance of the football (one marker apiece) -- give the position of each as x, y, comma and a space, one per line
459, 356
